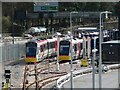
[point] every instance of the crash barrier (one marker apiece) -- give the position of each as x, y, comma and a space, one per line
9, 52
62, 80
115, 66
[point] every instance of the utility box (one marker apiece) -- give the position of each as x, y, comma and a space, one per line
111, 52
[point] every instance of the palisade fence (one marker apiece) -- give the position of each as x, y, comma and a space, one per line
11, 52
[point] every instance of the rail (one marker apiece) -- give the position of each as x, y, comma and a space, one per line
45, 80
38, 69
42, 67
24, 81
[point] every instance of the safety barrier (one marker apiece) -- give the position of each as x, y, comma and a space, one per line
9, 39
115, 66
62, 80
10, 52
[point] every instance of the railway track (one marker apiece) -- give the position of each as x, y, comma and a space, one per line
45, 81
36, 70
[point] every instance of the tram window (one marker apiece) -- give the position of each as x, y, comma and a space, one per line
45, 46
64, 50
30, 51
48, 45
27, 49
75, 47
92, 43
86, 44
81, 45
41, 48
52, 45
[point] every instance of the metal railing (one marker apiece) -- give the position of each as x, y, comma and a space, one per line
10, 52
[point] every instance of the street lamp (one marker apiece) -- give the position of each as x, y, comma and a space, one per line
100, 47
71, 48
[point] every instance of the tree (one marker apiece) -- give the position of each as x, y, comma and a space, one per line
5, 24
117, 8
92, 6
105, 6
7, 13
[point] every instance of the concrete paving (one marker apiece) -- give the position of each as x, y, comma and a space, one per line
16, 72
109, 80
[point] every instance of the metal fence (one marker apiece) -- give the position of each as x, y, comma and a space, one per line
9, 52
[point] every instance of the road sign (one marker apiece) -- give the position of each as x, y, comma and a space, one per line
46, 7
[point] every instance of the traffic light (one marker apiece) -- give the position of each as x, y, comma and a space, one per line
7, 74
